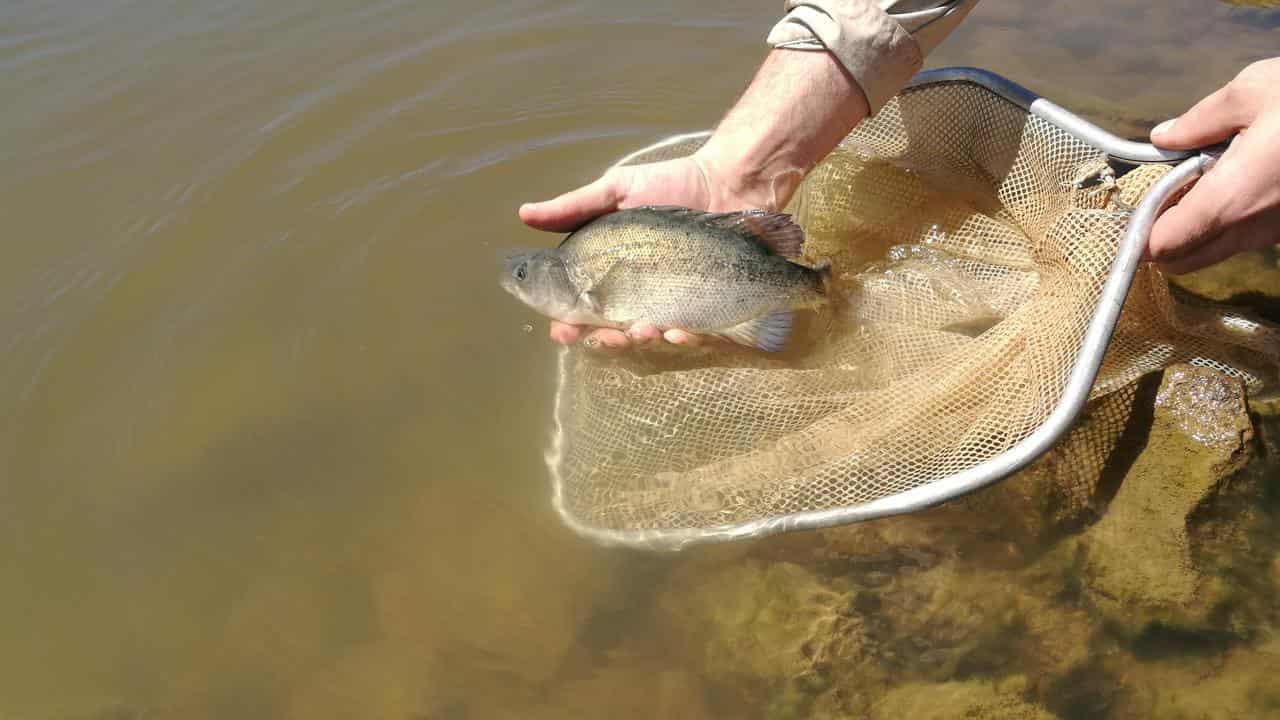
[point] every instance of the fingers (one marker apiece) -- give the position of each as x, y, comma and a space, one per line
612, 340
573, 209
597, 339
644, 333
1184, 227
1253, 235
607, 339
1198, 257
564, 333
1202, 214
680, 337
601, 338
1235, 207
1212, 120
1200, 231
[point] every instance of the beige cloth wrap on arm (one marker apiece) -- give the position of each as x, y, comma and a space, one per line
882, 43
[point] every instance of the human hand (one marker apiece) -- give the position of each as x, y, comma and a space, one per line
1236, 206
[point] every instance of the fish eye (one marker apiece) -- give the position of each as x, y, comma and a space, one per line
521, 271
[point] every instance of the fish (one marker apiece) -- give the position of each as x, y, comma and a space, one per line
730, 274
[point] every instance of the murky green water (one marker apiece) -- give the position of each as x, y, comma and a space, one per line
270, 435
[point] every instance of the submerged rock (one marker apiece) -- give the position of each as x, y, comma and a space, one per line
1237, 684
1250, 280
1139, 562
1044, 597
953, 621
794, 643
1003, 700
1267, 412
774, 634
1210, 408
1008, 524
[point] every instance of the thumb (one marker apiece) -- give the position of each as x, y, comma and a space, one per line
1210, 121
574, 208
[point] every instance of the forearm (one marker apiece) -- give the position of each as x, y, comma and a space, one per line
836, 62
796, 110
880, 43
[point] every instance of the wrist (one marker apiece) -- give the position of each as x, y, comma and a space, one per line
738, 176
799, 107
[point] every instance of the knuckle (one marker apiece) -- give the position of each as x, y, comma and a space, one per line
1254, 80
1254, 70
1236, 90
622, 176
618, 181
1250, 72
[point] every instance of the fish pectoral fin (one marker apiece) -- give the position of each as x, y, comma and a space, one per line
767, 332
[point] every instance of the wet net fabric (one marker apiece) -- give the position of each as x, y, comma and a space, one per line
967, 263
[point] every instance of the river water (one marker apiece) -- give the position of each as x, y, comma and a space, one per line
270, 435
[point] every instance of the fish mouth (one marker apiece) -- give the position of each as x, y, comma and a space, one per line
506, 283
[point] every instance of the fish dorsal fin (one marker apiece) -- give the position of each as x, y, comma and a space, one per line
775, 231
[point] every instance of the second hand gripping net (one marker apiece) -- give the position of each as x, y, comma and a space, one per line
970, 239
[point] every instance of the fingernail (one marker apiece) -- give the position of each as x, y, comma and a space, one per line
680, 337
1164, 127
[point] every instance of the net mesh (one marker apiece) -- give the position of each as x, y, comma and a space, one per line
971, 263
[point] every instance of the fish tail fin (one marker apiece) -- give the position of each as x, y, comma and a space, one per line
767, 332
